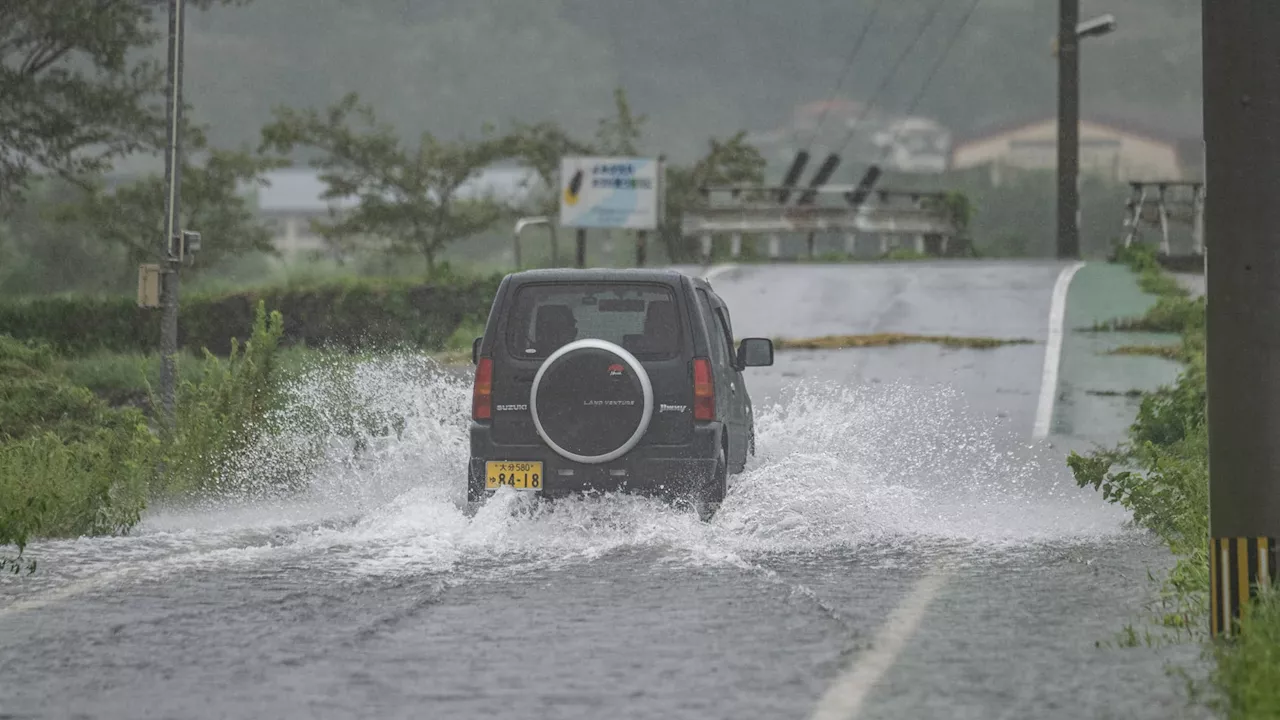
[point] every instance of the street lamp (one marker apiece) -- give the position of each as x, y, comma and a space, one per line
1067, 50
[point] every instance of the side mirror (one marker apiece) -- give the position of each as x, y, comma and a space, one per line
475, 351
755, 352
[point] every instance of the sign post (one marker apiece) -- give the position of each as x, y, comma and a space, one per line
622, 193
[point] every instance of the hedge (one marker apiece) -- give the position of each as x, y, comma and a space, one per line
348, 315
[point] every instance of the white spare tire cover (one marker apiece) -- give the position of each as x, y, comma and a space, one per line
591, 401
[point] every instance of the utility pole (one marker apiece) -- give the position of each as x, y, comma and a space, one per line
169, 254
580, 258
1242, 224
1068, 129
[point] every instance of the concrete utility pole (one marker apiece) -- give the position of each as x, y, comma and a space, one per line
169, 253
1242, 226
1068, 129
1067, 49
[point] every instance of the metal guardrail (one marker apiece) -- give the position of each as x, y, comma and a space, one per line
805, 219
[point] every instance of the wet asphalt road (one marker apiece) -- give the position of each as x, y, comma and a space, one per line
377, 597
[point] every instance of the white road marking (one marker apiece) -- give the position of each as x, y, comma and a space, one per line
844, 698
1053, 352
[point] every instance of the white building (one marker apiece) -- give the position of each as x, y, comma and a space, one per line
294, 197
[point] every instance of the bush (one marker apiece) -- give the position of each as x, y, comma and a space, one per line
219, 415
347, 315
69, 464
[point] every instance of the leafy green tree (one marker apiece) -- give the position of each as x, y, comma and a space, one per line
726, 162
213, 202
40, 252
621, 133
75, 94
540, 147
407, 195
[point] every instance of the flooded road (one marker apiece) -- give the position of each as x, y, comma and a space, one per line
899, 547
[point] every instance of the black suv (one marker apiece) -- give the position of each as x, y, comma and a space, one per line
611, 380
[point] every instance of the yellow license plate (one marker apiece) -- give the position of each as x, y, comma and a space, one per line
518, 475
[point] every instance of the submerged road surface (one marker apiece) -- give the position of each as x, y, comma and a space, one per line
900, 547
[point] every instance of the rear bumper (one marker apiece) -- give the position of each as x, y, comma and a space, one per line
650, 470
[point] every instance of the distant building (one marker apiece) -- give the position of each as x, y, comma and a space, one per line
293, 198
915, 145
861, 134
289, 201
1115, 149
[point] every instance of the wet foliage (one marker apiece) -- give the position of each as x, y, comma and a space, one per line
1161, 473
69, 464
219, 414
348, 313
1249, 666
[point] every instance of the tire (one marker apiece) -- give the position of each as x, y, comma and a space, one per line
591, 401
711, 493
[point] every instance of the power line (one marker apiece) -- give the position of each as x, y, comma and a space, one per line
833, 158
933, 71
848, 65
893, 70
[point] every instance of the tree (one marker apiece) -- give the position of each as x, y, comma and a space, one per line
620, 134
42, 253
73, 97
727, 162
540, 147
132, 216
408, 195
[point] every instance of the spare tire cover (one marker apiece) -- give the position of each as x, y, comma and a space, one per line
591, 401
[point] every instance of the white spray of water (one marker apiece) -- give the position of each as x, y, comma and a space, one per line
380, 450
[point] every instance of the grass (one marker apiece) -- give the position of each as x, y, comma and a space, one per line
1116, 393
841, 342
1161, 475
1247, 677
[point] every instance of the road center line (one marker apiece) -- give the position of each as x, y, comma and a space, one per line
845, 696
1053, 352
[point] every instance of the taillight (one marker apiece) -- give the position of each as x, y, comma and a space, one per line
482, 391
704, 390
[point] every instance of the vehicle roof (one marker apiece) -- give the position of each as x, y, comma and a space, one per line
660, 275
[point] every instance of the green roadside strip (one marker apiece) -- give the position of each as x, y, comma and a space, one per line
1096, 401
1160, 474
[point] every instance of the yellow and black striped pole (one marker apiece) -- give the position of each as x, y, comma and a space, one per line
1242, 233
1237, 568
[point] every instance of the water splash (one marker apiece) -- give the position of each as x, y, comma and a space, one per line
380, 450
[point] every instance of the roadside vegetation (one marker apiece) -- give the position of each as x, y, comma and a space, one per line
71, 464
1161, 475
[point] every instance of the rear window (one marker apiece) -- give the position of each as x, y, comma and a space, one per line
642, 318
